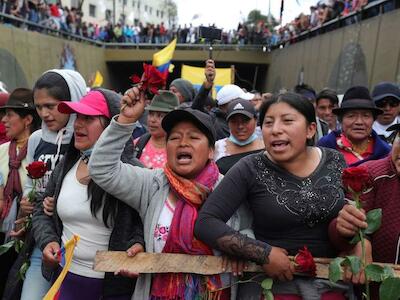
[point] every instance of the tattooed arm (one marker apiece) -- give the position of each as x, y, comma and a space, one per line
232, 192
239, 245
220, 206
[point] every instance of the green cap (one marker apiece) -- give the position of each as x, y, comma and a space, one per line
165, 101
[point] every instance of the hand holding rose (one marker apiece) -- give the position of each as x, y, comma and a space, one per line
132, 105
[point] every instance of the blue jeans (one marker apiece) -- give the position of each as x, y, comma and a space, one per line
35, 286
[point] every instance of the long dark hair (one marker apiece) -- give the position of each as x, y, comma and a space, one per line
298, 102
98, 197
55, 85
36, 120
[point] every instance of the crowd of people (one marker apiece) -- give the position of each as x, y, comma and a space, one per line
138, 174
70, 20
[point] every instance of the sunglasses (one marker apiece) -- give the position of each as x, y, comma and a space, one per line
391, 102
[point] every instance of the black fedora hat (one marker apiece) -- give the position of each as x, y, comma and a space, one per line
357, 97
20, 98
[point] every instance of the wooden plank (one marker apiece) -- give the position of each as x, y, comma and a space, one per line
111, 261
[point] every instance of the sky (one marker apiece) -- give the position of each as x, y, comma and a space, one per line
228, 13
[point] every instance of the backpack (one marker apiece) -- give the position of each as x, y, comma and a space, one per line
141, 143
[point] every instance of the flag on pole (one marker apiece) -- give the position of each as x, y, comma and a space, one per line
64, 256
195, 75
98, 80
281, 14
162, 59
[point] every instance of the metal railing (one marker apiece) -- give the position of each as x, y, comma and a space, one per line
372, 9
25, 24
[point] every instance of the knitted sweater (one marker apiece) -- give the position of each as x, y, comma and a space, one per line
385, 195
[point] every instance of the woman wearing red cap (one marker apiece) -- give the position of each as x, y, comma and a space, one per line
83, 208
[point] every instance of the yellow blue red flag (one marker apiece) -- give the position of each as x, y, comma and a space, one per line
195, 75
98, 80
162, 59
64, 255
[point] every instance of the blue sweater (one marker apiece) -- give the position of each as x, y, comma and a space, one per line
381, 148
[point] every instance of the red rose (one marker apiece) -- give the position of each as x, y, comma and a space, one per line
304, 262
37, 169
356, 179
152, 79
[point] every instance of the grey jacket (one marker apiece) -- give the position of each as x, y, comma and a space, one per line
145, 190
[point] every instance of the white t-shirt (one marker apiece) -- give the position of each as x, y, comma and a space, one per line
73, 208
163, 225
381, 129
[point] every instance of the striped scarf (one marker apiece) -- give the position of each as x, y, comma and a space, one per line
191, 195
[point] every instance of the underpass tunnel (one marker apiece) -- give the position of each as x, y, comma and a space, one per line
248, 76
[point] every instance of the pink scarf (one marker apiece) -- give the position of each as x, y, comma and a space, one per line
191, 195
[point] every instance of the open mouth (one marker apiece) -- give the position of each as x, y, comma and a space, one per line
79, 134
279, 145
49, 122
184, 157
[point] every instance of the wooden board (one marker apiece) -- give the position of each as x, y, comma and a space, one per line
111, 261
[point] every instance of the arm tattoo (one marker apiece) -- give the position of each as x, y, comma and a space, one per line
240, 245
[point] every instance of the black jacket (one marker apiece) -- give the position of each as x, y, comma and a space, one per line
220, 123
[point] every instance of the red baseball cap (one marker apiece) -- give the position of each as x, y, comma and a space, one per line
92, 104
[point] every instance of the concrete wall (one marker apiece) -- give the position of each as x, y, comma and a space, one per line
232, 56
365, 54
25, 55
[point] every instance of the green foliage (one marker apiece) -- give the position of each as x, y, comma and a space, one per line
390, 289
22, 270
375, 272
335, 269
374, 218
5, 247
266, 285
171, 8
355, 239
354, 262
388, 272
256, 16
268, 295
18, 245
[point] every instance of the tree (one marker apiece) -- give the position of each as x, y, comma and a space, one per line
256, 16
172, 11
